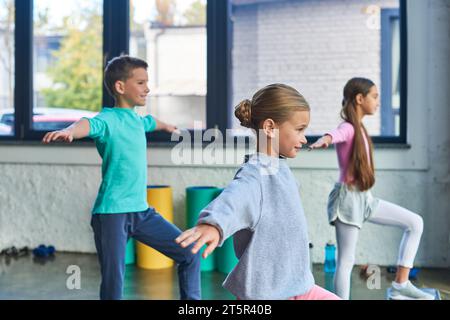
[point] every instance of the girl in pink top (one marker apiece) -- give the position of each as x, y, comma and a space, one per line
351, 203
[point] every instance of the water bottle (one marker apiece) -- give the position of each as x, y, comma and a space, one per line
311, 256
330, 258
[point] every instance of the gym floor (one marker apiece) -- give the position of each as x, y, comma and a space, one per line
28, 278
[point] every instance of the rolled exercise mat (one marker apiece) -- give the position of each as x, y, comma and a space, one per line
157, 284
197, 198
160, 198
130, 254
226, 258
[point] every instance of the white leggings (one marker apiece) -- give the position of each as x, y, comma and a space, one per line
386, 214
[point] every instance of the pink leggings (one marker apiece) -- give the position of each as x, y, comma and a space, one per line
317, 293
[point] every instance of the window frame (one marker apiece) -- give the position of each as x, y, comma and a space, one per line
218, 78
24, 75
116, 33
388, 113
394, 140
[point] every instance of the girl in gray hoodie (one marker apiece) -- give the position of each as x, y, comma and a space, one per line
261, 207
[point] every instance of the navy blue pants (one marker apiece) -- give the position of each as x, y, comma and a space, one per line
112, 231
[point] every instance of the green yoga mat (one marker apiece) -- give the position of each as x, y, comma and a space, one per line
130, 255
225, 257
198, 198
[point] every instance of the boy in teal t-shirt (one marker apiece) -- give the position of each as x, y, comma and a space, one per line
121, 210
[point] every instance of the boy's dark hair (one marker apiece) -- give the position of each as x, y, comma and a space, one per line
119, 69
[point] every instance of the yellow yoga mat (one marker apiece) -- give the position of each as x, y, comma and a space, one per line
160, 198
157, 285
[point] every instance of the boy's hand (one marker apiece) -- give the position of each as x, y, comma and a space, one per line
323, 142
172, 129
201, 234
62, 135
160, 125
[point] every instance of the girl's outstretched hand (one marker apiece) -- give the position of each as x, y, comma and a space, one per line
323, 142
201, 234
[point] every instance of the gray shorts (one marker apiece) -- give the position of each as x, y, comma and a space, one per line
350, 206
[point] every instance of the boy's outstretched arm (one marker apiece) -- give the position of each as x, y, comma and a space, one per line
201, 234
160, 125
77, 130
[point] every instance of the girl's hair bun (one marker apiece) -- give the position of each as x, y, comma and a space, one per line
243, 112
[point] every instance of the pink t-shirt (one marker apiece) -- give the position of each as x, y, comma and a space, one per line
342, 137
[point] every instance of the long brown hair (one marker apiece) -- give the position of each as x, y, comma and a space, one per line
359, 168
275, 101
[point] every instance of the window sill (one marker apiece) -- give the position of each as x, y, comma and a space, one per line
387, 156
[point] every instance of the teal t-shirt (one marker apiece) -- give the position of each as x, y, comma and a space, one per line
119, 135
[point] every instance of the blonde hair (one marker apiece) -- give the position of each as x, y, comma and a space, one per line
275, 101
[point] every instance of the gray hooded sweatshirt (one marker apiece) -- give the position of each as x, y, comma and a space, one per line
261, 207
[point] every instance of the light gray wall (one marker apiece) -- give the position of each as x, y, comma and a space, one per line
435, 110
46, 191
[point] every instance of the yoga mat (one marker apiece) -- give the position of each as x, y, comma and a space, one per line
160, 198
197, 198
226, 258
156, 285
130, 255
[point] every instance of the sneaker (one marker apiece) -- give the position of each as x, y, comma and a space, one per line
409, 292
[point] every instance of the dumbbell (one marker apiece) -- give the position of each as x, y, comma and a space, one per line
43, 251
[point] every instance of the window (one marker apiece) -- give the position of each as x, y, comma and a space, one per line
390, 72
7, 67
67, 55
204, 57
171, 36
58, 63
63, 46
316, 47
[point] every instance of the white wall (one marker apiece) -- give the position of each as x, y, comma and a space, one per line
46, 191
435, 109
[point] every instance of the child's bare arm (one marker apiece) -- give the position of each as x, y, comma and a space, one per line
323, 142
77, 130
201, 234
160, 125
